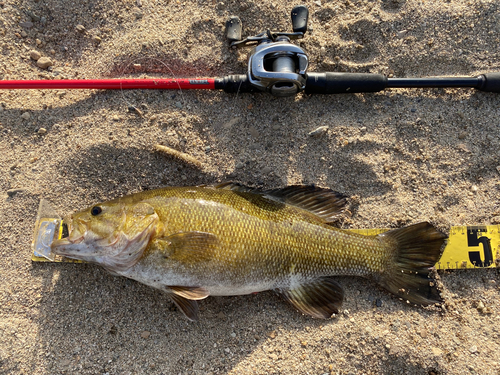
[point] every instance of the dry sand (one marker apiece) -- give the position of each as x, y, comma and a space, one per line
404, 156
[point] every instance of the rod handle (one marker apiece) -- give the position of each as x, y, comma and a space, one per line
344, 83
490, 82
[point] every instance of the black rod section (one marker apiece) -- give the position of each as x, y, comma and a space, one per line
435, 82
344, 83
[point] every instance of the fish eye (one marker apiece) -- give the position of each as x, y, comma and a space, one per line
96, 210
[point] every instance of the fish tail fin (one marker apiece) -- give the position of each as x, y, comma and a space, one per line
417, 248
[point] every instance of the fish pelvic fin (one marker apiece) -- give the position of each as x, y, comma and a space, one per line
188, 307
320, 298
185, 298
193, 293
417, 248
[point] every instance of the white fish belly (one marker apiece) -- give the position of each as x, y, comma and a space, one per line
228, 290
215, 287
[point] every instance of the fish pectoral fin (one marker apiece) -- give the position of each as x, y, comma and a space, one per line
188, 246
193, 293
188, 307
320, 298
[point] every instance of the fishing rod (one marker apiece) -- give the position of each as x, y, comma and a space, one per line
275, 66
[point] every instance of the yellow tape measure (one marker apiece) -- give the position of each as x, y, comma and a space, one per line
476, 246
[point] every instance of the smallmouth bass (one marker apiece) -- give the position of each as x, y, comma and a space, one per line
229, 239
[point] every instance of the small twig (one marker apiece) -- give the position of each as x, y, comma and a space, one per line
180, 155
132, 108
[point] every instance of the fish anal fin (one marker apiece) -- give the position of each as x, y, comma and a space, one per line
193, 293
187, 246
188, 307
320, 298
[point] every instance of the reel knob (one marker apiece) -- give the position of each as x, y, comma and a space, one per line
233, 29
300, 16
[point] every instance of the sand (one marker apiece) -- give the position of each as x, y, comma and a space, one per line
403, 156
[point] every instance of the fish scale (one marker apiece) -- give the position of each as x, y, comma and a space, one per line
231, 240
306, 244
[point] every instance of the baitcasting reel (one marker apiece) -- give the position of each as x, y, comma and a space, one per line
275, 65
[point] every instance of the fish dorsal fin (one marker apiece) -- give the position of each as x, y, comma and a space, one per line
187, 247
325, 203
188, 307
240, 188
320, 298
193, 293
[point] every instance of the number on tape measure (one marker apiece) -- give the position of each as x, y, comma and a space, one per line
474, 238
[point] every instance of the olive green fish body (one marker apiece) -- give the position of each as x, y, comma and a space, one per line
193, 242
253, 251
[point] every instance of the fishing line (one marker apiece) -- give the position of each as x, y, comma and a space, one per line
145, 59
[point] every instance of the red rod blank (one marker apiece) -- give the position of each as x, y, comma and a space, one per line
113, 84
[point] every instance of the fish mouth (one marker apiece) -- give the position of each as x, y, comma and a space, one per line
60, 246
70, 237
67, 246
65, 230
81, 248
